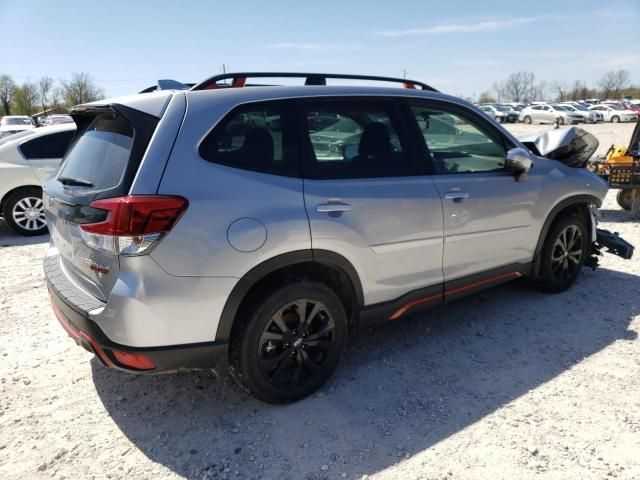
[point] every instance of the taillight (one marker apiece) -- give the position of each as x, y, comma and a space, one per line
134, 223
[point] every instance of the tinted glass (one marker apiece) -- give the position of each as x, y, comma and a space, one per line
48, 146
458, 144
258, 137
353, 139
101, 154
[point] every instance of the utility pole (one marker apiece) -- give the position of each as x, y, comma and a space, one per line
404, 73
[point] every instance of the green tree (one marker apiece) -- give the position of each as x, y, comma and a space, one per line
7, 92
26, 99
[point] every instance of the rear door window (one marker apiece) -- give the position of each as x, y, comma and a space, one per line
47, 146
101, 154
259, 137
354, 139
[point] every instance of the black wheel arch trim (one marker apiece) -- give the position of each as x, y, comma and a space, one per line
253, 276
553, 215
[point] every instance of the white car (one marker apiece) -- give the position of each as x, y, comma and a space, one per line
26, 159
614, 113
588, 116
14, 123
549, 114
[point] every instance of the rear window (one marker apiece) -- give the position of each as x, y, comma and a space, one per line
47, 146
101, 154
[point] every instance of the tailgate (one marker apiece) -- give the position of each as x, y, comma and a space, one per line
101, 163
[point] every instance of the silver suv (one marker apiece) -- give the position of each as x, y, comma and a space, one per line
255, 229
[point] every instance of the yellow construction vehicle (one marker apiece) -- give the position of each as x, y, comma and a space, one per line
621, 168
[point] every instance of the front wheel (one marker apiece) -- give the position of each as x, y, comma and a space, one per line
24, 212
560, 121
527, 120
615, 119
563, 254
290, 342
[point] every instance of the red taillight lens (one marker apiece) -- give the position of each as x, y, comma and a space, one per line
134, 223
137, 215
136, 361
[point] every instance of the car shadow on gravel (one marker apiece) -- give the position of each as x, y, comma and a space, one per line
401, 388
617, 216
10, 239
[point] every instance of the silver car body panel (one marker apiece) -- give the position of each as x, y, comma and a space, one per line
400, 234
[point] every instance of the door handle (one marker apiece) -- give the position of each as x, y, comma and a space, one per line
333, 207
456, 195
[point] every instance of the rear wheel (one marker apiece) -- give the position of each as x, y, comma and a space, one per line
625, 198
615, 119
563, 254
527, 119
290, 343
23, 211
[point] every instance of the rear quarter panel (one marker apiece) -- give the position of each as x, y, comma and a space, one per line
219, 196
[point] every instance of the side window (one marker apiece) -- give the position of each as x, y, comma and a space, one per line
257, 137
354, 139
47, 146
457, 142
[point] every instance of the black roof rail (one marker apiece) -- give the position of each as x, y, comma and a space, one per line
239, 79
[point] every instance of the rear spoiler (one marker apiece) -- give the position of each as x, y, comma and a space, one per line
167, 84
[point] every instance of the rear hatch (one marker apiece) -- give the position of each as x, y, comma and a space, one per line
100, 164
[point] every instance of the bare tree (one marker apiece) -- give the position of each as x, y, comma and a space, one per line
80, 89
7, 92
612, 82
520, 86
561, 90
26, 98
45, 85
500, 90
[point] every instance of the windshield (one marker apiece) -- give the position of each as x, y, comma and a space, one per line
344, 125
613, 106
16, 121
581, 107
561, 108
502, 108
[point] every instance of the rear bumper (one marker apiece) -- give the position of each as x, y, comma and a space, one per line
86, 333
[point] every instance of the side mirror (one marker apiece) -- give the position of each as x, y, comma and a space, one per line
519, 162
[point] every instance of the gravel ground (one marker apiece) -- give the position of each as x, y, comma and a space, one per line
506, 384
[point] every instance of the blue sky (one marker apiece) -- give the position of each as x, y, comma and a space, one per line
460, 47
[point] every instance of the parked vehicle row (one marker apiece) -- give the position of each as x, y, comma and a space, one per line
566, 113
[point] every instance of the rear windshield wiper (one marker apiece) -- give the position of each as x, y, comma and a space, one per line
76, 182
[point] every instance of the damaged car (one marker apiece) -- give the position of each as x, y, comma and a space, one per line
255, 230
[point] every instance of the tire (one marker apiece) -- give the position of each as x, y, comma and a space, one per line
499, 120
635, 207
625, 198
527, 120
558, 271
278, 357
23, 210
615, 119
560, 121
